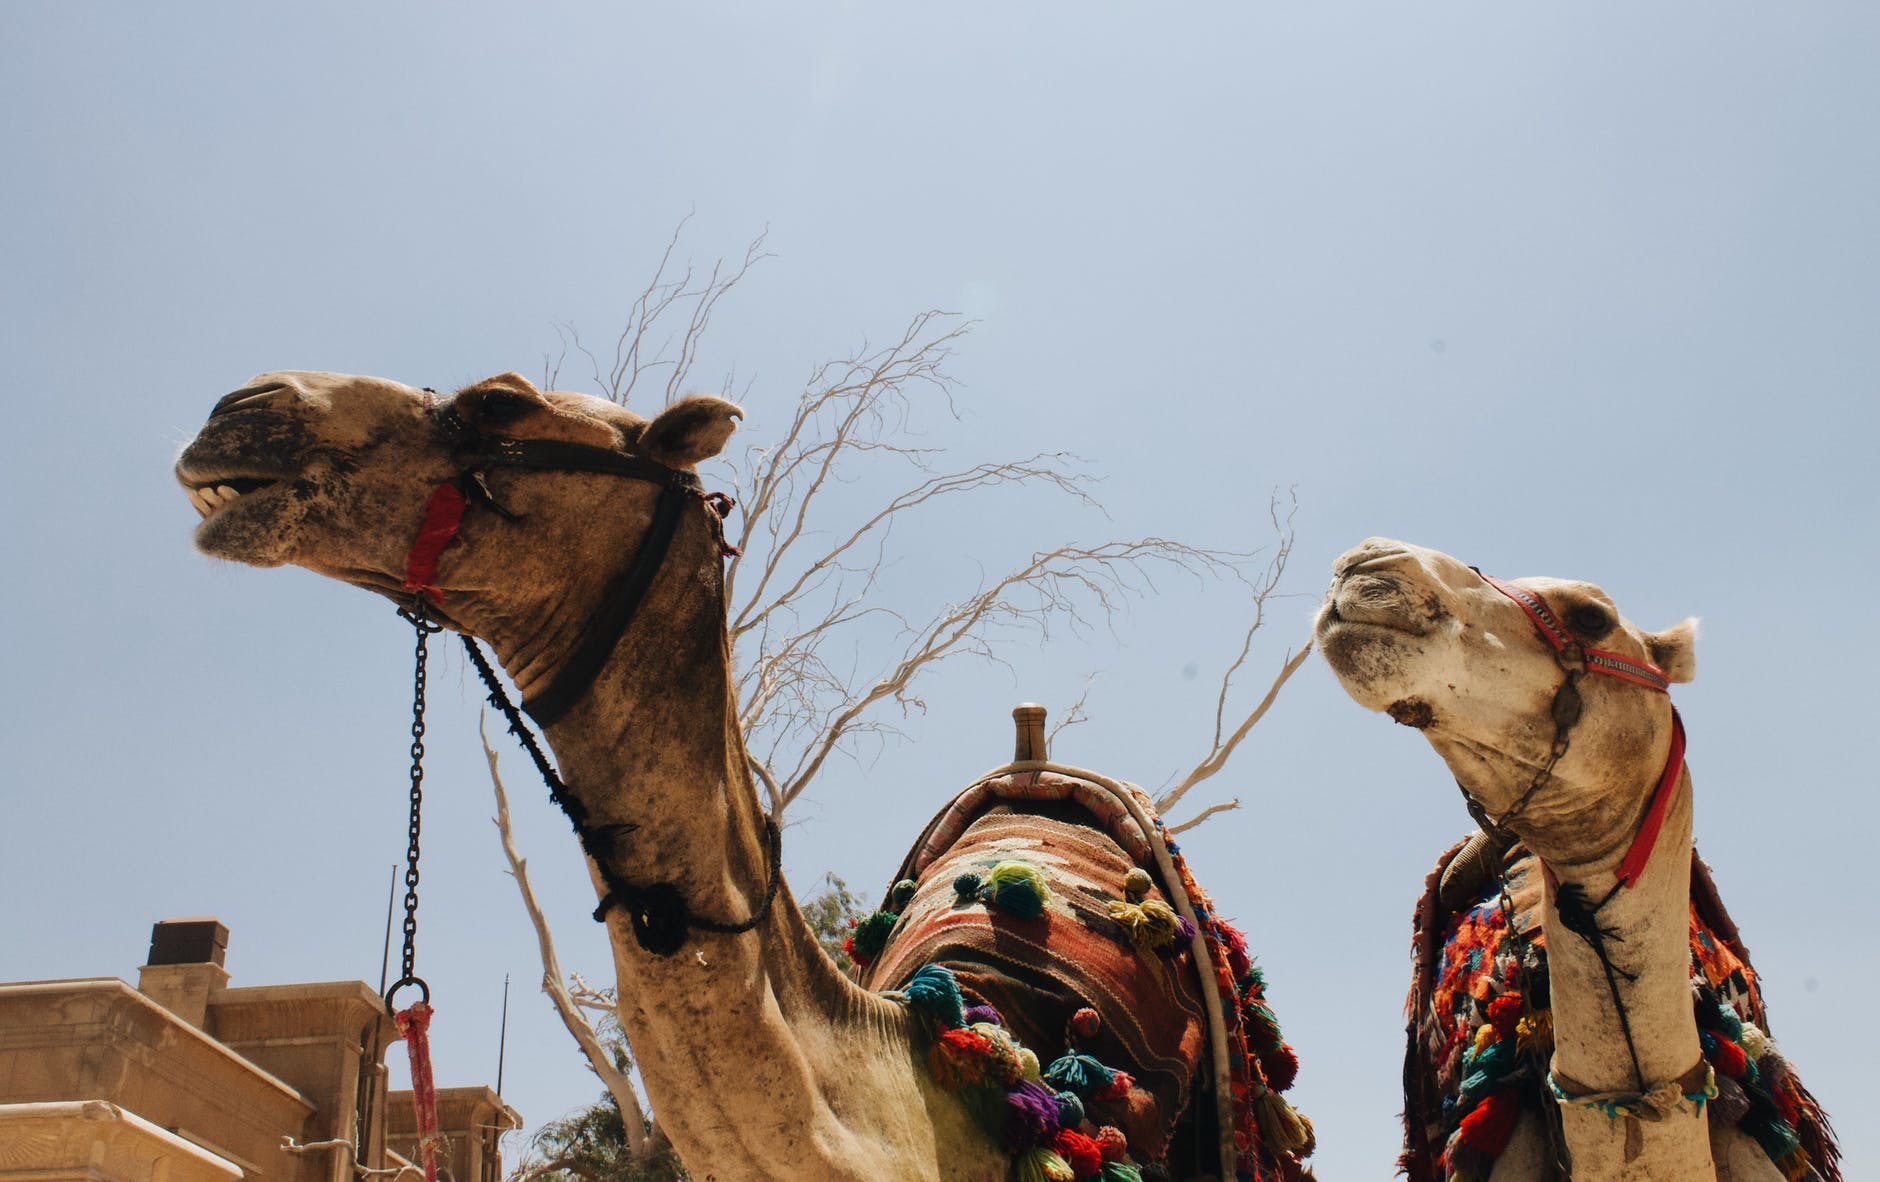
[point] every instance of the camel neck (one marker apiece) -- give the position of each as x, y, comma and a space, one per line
749, 1044
1646, 940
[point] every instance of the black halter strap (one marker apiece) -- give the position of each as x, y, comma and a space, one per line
622, 599
660, 916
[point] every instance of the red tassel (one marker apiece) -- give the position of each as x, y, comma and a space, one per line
1490, 1123
1503, 1013
1112, 1143
414, 1025
1117, 1088
1280, 1066
1083, 1153
958, 1058
1729, 1058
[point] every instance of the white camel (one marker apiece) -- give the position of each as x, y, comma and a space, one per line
1552, 713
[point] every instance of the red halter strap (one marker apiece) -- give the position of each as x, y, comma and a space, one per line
443, 516
1624, 668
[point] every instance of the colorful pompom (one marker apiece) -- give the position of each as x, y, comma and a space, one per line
1077, 1073
1031, 1116
1490, 1124
1070, 1110
933, 990
902, 893
1085, 1023
1116, 1171
1018, 889
1002, 1061
1117, 1088
966, 886
1504, 1014
1041, 1165
1113, 1144
958, 1059
983, 1014
1150, 925
1080, 1152
871, 936
1137, 884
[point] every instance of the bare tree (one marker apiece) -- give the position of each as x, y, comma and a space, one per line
824, 665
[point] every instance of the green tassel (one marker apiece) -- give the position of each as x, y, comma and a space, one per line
1116, 1171
1042, 1165
902, 893
1017, 888
871, 934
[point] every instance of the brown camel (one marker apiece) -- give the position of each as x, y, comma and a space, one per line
761, 1057
1553, 714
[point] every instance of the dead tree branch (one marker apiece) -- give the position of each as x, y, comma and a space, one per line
567, 1006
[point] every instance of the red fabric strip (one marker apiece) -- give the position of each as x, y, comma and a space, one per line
1647, 836
1536, 608
443, 514
414, 1025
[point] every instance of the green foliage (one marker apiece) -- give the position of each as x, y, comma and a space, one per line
833, 911
591, 1146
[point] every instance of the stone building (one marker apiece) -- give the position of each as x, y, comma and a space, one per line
185, 1079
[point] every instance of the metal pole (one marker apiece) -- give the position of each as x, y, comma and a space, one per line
502, 1037
385, 957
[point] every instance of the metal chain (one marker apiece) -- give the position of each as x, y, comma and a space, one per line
425, 627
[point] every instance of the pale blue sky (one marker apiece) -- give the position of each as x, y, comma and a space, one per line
1586, 291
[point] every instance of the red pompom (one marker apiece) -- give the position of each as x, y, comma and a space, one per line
1490, 1123
1117, 1088
1503, 1013
1729, 1059
1085, 1023
1280, 1066
848, 949
1113, 1144
958, 1058
1083, 1153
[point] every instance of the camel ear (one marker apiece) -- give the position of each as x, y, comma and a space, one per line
1675, 650
692, 429
499, 400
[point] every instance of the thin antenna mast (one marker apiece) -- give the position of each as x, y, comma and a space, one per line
502, 1037
385, 957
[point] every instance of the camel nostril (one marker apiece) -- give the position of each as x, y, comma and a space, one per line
229, 402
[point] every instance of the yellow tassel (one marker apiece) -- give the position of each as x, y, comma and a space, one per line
1282, 1128
1794, 1167
1534, 1034
1149, 924
1484, 1038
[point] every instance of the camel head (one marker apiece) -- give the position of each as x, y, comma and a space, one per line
334, 473
1428, 640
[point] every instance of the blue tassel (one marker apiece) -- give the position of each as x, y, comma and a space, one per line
933, 989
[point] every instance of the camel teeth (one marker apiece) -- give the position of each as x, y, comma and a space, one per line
226, 493
197, 501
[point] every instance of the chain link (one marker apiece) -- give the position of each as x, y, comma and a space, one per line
424, 627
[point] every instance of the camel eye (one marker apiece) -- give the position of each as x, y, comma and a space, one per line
1589, 621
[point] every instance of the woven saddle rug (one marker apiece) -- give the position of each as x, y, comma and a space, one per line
1478, 1050
1038, 972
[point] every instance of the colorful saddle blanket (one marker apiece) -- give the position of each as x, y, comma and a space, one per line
1037, 972
1478, 1050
